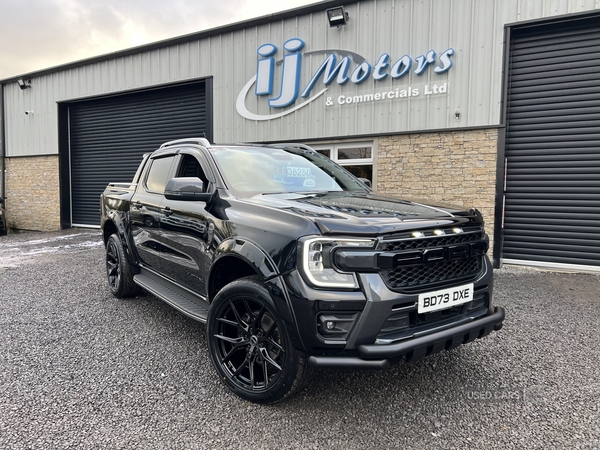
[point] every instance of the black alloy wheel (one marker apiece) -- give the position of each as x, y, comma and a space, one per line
249, 345
118, 270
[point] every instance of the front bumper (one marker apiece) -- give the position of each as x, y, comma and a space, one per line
381, 356
376, 327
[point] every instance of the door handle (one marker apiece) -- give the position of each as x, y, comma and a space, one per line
167, 211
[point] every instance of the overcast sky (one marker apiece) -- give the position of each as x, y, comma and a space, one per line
38, 34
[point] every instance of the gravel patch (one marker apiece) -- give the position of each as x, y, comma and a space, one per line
82, 369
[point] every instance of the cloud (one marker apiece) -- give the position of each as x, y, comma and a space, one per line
38, 34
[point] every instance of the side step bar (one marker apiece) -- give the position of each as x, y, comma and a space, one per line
179, 298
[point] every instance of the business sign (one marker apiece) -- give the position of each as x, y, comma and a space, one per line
340, 66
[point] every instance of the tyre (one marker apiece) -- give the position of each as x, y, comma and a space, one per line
249, 345
118, 270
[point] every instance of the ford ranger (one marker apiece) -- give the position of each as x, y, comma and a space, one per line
294, 264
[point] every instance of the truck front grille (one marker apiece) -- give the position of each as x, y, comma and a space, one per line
415, 277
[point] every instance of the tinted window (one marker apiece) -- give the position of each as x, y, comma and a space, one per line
190, 167
159, 174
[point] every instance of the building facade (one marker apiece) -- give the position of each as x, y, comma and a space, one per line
486, 103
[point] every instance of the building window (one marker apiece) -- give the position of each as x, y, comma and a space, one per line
355, 157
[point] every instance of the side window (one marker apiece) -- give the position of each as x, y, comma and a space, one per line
190, 167
158, 174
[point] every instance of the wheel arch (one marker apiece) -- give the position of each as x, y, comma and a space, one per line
108, 229
236, 259
114, 224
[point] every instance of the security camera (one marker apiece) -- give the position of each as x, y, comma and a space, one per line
28, 112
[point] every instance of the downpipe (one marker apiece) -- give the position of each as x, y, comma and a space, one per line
2, 150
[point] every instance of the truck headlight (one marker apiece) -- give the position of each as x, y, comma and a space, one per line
317, 262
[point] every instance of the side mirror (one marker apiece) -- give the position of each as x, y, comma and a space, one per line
186, 189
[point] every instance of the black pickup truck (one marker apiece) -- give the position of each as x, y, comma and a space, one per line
295, 264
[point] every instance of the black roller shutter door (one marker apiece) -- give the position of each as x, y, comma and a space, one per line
108, 137
552, 190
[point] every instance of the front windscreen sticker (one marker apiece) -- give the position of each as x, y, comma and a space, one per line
297, 172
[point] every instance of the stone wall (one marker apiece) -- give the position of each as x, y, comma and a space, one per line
454, 168
33, 193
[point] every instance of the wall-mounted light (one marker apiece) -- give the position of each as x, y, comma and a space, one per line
457, 114
337, 16
24, 84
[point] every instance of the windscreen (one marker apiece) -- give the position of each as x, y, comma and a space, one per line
249, 171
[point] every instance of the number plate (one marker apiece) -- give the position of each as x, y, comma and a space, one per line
445, 298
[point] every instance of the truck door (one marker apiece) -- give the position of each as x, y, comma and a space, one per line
185, 229
145, 211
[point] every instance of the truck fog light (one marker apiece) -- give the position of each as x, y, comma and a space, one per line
336, 326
